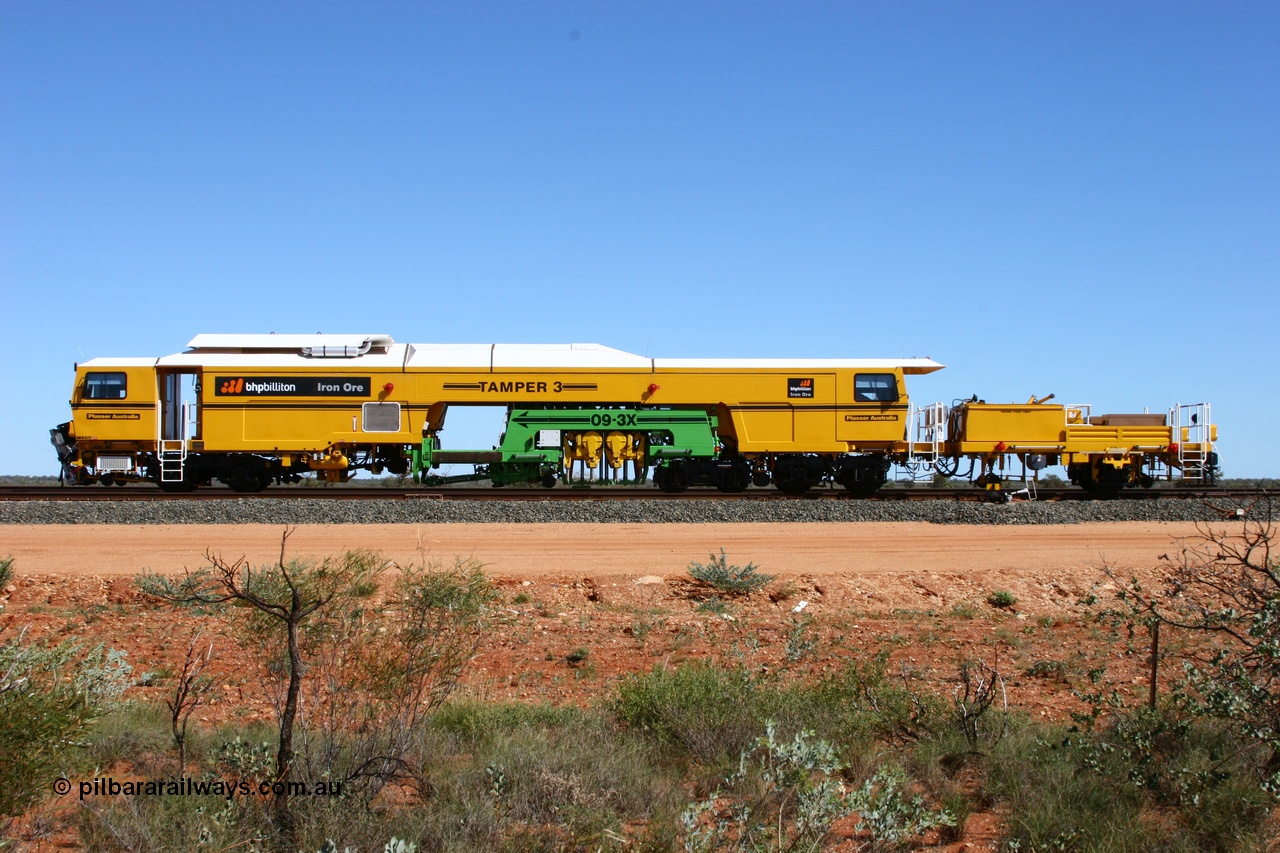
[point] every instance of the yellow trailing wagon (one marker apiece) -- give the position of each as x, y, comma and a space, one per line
1102, 453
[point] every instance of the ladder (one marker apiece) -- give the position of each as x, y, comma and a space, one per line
173, 460
173, 451
1193, 434
927, 431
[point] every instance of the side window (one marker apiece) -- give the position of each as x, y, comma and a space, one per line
875, 388
104, 386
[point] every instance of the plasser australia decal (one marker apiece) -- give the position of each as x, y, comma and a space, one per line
292, 386
802, 388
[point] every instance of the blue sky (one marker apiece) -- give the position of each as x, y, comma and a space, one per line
1077, 198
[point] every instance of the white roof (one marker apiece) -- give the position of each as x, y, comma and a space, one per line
380, 351
286, 342
468, 356
597, 356
567, 356
392, 359
908, 365
522, 356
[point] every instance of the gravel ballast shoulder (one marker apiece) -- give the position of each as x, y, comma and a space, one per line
605, 511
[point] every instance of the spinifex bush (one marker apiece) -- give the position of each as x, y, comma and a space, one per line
731, 580
711, 713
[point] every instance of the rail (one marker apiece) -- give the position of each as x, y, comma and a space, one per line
607, 493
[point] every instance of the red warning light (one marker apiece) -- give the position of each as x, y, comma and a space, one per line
388, 388
1000, 448
653, 386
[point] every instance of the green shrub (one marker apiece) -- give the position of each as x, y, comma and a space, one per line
787, 795
1053, 670
1054, 805
800, 644
137, 732
731, 580
713, 714
48, 697
6, 571
475, 722
516, 777
890, 814
861, 704
1065, 789
1002, 598
784, 796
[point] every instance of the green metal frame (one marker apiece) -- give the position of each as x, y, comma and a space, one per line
674, 434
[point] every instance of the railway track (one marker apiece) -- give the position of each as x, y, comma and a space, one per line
574, 493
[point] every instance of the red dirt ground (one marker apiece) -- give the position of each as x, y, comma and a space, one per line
622, 592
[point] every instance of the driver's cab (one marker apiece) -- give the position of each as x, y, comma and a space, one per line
115, 401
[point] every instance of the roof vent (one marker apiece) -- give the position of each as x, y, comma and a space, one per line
330, 351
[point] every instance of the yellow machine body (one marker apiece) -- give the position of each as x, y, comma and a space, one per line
251, 409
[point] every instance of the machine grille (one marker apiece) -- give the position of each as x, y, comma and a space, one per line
381, 417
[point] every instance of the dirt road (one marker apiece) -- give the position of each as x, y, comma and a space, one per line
600, 550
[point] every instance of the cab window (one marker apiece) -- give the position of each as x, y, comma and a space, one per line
875, 388
104, 386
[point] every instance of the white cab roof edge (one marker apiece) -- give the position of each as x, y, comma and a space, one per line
119, 362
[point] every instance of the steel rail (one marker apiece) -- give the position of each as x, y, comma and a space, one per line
141, 492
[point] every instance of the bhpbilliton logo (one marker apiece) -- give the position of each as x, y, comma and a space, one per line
231, 386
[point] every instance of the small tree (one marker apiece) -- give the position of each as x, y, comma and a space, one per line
379, 673
352, 675
1226, 586
282, 598
978, 687
193, 685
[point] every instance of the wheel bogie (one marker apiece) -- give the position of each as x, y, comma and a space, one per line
862, 474
1101, 478
797, 473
